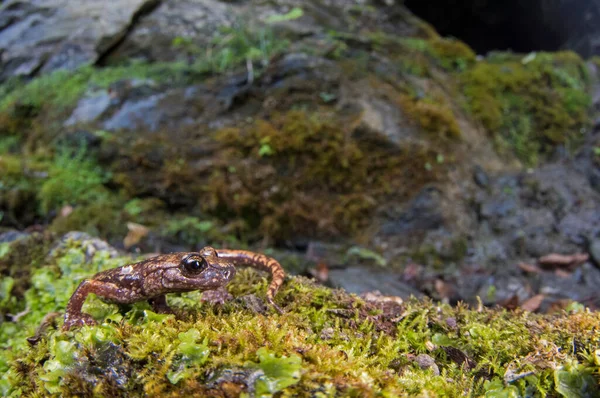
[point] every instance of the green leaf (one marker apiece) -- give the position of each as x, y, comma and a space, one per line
497, 389
279, 373
192, 351
574, 380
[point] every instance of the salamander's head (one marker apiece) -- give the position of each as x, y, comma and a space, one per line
202, 270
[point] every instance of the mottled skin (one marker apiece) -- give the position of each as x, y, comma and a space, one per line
151, 279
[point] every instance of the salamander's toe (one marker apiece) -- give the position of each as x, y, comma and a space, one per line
77, 320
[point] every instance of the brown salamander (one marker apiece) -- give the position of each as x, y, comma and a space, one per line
151, 279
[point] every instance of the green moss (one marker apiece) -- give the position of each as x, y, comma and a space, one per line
434, 117
326, 342
61, 89
73, 178
452, 54
532, 104
232, 46
314, 179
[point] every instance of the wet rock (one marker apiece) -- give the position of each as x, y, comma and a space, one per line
59, 34
361, 279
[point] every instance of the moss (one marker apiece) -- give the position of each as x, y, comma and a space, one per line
533, 103
74, 177
327, 342
303, 173
61, 89
452, 54
435, 118
17, 260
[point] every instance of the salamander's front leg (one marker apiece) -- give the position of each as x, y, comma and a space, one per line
159, 305
73, 314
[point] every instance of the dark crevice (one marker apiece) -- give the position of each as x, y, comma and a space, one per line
486, 25
146, 9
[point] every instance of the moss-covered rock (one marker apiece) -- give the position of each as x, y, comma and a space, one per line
529, 104
326, 343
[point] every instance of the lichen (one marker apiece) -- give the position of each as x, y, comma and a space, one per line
326, 343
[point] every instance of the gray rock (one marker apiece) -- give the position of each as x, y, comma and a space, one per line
89, 245
423, 214
136, 114
361, 279
59, 34
426, 362
13, 236
89, 108
595, 250
198, 21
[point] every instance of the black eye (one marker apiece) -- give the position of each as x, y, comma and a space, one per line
194, 264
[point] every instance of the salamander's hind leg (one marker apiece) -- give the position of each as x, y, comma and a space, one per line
104, 290
159, 305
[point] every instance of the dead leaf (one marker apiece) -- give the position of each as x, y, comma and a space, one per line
530, 268
533, 303
568, 261
377, 297
321, 272
559, 305
561, 273
459, 357
510, 303
135, 234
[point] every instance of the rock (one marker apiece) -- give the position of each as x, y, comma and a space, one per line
480, 177
45, 35
426, 362
13, 236
90, 108
89, 244
361, 279
422, 214
136, 114
595, 250
152, 37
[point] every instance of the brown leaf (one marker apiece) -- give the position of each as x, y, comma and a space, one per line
533, 303
510, 303
459, 357
321, 272
570, 261
135, 234
530, 268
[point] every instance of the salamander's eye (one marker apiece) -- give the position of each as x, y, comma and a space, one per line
194, 264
